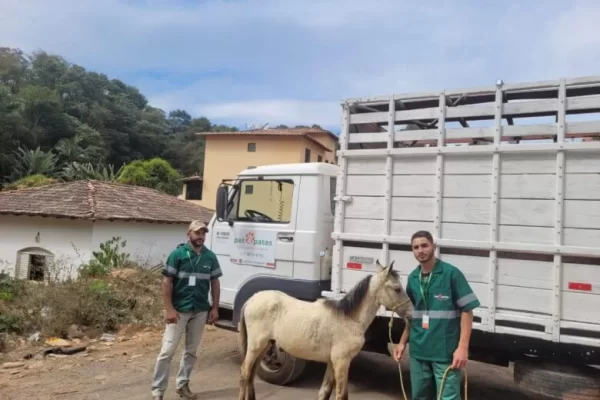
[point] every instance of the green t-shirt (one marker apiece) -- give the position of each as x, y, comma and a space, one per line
191, 273
447, 294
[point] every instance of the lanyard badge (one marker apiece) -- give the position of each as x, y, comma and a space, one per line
192, 278
425, 294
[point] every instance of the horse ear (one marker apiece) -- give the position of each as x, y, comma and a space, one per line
390, 268
379, 266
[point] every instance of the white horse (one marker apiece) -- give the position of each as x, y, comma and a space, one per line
327, 331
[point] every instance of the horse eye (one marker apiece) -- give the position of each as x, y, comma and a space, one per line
398, 290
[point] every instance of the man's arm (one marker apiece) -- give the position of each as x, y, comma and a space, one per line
466, 325
215, 291
405, 333
466, 301
169, 272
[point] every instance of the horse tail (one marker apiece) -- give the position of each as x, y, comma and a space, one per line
243, 332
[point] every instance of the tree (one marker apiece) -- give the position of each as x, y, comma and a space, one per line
65, 122
155, 173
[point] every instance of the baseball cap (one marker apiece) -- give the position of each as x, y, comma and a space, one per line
196, 226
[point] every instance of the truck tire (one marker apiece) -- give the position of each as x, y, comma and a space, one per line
558, 381
279, 367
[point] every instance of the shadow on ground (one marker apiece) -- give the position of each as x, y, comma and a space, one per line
371, 373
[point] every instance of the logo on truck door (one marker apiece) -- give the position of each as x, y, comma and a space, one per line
253, 247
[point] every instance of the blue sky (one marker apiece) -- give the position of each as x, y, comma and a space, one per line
292, 62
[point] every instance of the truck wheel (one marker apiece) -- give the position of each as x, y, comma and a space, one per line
278, 367
558, 381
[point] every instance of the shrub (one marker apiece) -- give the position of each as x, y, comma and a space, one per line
130, 295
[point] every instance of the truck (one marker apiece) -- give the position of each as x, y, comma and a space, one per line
506, 178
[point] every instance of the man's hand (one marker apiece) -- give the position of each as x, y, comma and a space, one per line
213, 316
461, 356
399, 351
172, 316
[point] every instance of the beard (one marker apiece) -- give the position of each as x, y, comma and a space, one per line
197, 243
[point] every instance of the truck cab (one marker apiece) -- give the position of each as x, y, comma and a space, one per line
272, 230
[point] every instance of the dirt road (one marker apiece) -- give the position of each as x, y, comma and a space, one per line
123, 370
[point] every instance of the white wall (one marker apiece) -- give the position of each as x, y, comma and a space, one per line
68, 240
72, 241
148, 243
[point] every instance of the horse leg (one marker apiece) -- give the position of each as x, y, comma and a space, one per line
256, 349
251, 391
340, 368
328, 383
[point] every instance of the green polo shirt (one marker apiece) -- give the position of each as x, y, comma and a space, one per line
447, 294
184, 265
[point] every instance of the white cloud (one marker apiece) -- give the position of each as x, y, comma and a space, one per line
293, 61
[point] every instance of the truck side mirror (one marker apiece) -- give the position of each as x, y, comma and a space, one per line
222, 200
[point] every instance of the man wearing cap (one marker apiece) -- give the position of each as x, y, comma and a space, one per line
191, 271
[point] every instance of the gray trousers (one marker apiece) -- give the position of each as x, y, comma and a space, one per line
193, 326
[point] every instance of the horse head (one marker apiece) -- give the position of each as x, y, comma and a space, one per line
392, 294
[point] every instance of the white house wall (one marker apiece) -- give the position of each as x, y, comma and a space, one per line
68, 240
148, 244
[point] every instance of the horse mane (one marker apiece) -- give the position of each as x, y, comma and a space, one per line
352, 300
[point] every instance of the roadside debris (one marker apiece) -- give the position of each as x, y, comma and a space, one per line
57, 342
10, 365
108, 337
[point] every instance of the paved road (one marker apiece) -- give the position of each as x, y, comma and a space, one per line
124, 371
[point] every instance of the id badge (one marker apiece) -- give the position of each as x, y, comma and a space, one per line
425, 323
192, 281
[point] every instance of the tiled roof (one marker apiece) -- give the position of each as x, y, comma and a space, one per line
308, 133
99, 200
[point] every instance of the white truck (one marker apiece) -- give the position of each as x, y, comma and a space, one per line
506, 178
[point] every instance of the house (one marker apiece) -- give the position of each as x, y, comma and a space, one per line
228, 153
53, 230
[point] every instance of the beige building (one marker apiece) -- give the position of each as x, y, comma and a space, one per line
228, 153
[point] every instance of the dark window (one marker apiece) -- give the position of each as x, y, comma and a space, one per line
252, 147
319, 158
37, 266
249, 189
332, 193
306, 155
193, 190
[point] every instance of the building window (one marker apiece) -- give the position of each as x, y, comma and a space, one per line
34, 264
252, 147
264, 201
193, 190
319, 158
306, 155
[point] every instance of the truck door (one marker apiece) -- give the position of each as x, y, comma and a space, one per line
259, 237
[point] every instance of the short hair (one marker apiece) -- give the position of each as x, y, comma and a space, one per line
422, 234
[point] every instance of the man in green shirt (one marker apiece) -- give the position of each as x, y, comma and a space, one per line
440, 329
191, 271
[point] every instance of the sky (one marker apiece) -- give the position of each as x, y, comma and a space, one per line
241, 62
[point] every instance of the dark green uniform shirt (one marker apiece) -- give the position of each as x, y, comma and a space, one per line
191, 275
447, 294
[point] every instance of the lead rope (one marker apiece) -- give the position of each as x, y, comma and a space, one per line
400, 366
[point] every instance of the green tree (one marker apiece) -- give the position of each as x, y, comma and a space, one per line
65, 122
155, 173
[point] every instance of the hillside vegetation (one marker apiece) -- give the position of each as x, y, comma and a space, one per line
61, 122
